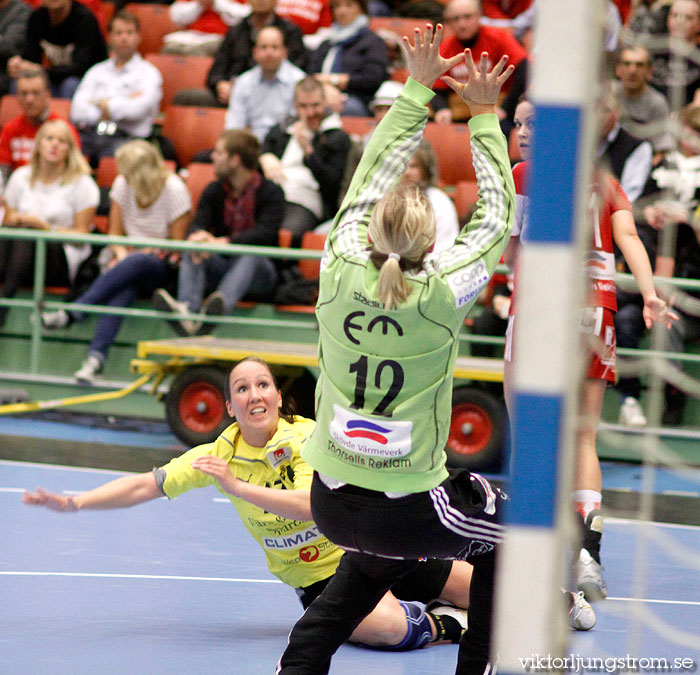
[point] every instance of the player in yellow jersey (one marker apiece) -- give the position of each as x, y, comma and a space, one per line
257, 464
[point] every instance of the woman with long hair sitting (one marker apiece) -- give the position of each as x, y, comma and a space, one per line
147, 200
53, 192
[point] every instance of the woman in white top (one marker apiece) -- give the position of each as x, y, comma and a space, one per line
147, 200
422, 171
53, 192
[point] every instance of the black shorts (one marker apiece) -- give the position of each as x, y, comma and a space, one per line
424, 584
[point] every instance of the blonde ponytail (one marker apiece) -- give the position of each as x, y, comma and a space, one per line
402, 229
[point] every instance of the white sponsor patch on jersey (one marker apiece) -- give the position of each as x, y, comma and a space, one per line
467, 282
291, 541
279, 455
372, 437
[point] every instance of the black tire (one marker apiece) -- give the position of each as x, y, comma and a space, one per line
477, 430
195, 405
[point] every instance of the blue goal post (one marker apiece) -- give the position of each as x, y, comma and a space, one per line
547, 358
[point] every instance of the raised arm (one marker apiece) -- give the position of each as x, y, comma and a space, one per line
117, 494
392, 144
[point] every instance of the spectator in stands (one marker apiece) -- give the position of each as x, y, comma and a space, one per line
309, 15
676, 192
677, 76
65, 38
422, 171
645, 112
464, 18
95, 6
383, 99
53, 192
118, 99
203, 24
307, 159
14, 15
627, 157
235, 54
503, 10
352, 59
647, 18
683, 263
147, 200
240, 207
493, 319
17, 135
518, 16
263, 96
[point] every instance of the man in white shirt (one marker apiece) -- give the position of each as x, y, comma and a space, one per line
263, 96
117, 99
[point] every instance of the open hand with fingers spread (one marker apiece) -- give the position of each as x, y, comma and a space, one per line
482, 88
50, 500
425, 64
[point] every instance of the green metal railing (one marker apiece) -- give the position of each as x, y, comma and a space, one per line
38, 303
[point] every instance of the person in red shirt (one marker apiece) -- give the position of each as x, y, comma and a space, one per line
611, 215
309, 15
17, 135
463, 17
504, 9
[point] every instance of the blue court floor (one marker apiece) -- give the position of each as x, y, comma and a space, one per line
180, 587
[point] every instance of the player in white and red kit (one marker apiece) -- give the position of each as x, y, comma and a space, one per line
611, 215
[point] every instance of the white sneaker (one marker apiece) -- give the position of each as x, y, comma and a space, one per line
589, 577
165, 302
91, 366
631, 413
58, 319
581, 614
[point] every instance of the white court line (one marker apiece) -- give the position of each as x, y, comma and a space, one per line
658, 602
61, 467
165, 577
626, 521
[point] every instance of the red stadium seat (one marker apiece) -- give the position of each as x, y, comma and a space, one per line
358, 126
180, 72
192, 129
465, 196
155, 24
451, 145
311, 269
199, 175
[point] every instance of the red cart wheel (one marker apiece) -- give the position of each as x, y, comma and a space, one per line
476, 430
195, 405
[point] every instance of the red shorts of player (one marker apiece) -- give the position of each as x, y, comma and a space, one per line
598, 327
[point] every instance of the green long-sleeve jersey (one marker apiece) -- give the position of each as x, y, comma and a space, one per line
383, 399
